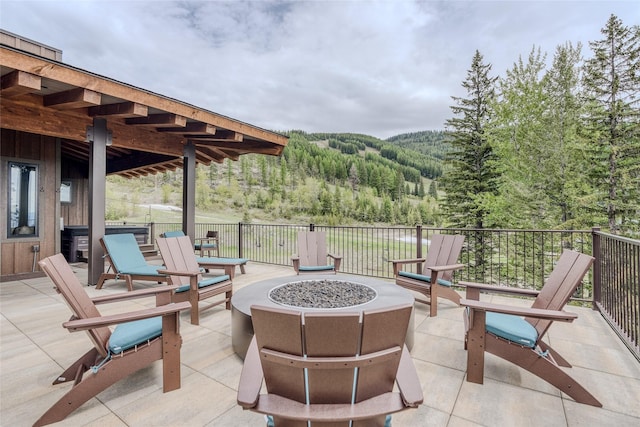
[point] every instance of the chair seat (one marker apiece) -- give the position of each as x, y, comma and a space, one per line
205, 246
221, 261
512, 328
424, 278
206, 282
144, 270
130, 334
316, 267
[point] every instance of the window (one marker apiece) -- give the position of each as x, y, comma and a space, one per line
23, 200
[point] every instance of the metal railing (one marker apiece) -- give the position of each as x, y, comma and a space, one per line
518, 258
617, 285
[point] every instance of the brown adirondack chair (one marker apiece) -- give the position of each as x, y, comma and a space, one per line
127, 261
139, 339
312, 254
183, 270
329, 368
499, 329
434, 274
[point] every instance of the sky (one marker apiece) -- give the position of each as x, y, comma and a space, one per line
380, 68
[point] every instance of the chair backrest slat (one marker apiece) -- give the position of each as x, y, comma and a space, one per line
560, 285
312, 248
68, 285
444, 249
178, 255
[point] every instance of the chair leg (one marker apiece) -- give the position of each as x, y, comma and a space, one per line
448, 293
475, 344
79, 367
111, 372
543, 367
103, 277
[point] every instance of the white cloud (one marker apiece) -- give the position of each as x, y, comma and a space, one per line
375, 67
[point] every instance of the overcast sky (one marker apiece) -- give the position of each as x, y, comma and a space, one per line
380, 68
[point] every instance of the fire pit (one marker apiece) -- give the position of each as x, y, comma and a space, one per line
325, 293
338, 292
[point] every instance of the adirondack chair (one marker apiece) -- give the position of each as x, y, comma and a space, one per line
438, 268
139, 339
207, 245
202, 244
499, 329
312, 254
329, 368
183, 270
208, 263
124, 256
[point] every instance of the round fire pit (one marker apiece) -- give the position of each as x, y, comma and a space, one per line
325, 293
338, 292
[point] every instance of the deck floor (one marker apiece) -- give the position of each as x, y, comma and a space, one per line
34, 349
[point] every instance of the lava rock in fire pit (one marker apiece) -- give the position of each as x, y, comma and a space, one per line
322, 294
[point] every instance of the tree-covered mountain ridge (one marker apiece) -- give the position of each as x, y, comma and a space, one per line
323, 177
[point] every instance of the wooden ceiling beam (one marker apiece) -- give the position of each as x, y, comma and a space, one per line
28, 115
121, 109
72, 99
159, 120
220, 136
191, 128
18, 83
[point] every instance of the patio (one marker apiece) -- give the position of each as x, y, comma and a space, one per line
34, 348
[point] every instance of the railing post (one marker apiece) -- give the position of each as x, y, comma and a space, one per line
240, 248
419, 247
312, 227
597, 267
152, 232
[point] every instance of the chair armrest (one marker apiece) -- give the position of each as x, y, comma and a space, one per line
335, 257
180, 273
114, 319
408, 381
474, 290
250, 377
337, 260
204, 240
539, 313
398, 262
140, 293
445, 267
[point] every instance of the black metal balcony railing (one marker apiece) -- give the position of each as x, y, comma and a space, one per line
519, 258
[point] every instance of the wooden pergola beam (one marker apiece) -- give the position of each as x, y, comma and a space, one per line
18, 83
72, 99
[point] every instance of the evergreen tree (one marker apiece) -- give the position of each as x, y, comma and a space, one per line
472, 173
612, 89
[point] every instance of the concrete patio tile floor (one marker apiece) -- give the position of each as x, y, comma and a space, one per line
34, 349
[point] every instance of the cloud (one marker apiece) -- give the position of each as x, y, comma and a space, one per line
374, 67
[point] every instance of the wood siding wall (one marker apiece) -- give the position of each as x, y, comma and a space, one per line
16, 254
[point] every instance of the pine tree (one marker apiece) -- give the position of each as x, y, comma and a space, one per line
612, 88
472, 172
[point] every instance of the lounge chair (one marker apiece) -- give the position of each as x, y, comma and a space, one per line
330, 367
434, 278
312, 254
208, 263
183, 270
139, 339
128, 263
500, 329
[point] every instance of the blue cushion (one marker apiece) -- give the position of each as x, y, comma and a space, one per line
424, 278
221, 261
206, 282
512, 328
178, 233
316, 267
124, 251
146, 270
205, 246
130, 334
